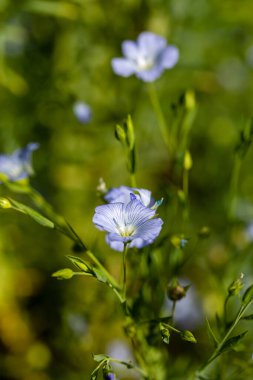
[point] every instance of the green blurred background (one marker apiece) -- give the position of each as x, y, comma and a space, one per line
54, 53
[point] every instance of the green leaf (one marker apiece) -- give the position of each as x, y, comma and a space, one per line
32, 213
230, 343
53, 8
100, 357
99, 275
188, 336
211, 334
248, 317
248, 295
63, 274
129, 365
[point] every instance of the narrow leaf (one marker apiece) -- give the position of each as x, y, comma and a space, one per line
232, 342
32, 213
211, 334
248, 295
100, 357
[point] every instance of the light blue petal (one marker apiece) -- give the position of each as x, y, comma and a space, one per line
149, 230
119, 194
138, 243
136, 214
108, 216
150, 75
18, 164
115, 244
145, 197
24, 157
130, 50
123, 67
82, 112
169, 57
150, 44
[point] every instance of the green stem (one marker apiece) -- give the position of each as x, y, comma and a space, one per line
234, 187
225, 310
173, 310
159, 114
186, 192
133, 180
217, 351
64, 227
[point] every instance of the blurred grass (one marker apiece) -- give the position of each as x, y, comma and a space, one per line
53, 53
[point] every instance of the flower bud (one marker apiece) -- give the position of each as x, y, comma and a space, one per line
187, 160
63, 274
188, 336
236, 286
176, 291
5, 203
190, 101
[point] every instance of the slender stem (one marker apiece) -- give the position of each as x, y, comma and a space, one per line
159, 114
124, 271
216, 352
225, 309
102, 268
234, 186
133, 180
64, 227
173, 310
186, 183
186, 191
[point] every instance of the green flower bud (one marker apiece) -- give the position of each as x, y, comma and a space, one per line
188, 336
63, 274
5, 203
236, 286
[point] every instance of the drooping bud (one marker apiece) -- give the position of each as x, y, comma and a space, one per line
188, 336
176, 291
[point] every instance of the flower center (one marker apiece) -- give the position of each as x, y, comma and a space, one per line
145, 63
125, 230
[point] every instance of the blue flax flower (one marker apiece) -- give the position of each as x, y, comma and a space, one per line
147, 58
82, 112
123, 194
130, 223
17, 166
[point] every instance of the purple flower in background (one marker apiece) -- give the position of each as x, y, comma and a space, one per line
131, 223
82, 112
147, 58
122, 194
18, 165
